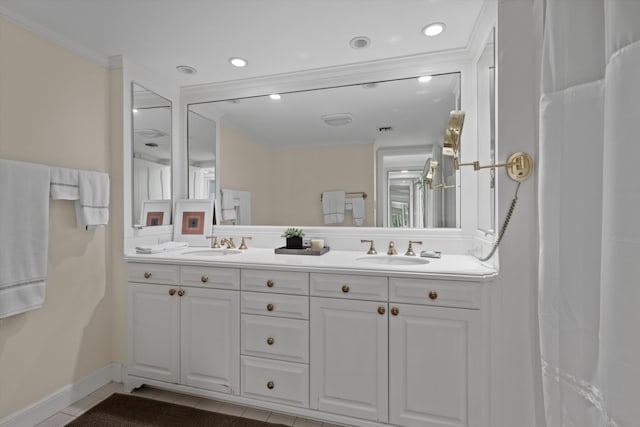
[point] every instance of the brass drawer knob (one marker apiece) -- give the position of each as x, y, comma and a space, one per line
345, 288
433, 295
382, 310
204, 279
172, 292
395, 311
270, 385
270, 283
270, 307
270, 341
181, 292
147, 274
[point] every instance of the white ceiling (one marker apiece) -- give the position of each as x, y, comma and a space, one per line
275, 36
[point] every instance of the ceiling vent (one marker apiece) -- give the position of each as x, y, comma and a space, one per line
151, 133
338, 119
384, 129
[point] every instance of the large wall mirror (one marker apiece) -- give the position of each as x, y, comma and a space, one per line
487, 136
151, 143
279, 153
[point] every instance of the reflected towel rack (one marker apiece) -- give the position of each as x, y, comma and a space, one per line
349, 194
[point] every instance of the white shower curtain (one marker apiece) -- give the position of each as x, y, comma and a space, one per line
589, 213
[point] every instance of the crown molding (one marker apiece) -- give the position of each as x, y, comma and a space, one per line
77, 48
385, 69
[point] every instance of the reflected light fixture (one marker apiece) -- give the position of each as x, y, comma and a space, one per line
339, 119
238, 62
185, 69
275, 96
135, 110
359, 42
433, 29
424, 79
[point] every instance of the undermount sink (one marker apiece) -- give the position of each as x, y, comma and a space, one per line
392, 260
213, 252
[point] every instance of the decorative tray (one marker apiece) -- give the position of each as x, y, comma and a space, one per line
305, 251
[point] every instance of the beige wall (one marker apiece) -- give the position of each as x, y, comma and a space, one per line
286, 183
54, 109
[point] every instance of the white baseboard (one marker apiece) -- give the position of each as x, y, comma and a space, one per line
60, 399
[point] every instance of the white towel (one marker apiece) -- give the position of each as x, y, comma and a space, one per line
92, 209
197, 187
162, 247
228, 204
242, 200
333, 206
357, 208
24, 231
64, 183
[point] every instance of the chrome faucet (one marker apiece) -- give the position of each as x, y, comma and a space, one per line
392, 249
410, 251
372, 250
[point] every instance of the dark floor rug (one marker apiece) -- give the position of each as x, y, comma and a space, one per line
125, 410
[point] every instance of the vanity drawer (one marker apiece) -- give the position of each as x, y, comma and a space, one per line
275, 305
211, 277
153, 273
276, 381
428, 292
280, 282
275, 338
372, 288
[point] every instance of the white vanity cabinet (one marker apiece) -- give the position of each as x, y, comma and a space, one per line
349, 345
184, 325
154, 332
435, 354
275, 336
355, 349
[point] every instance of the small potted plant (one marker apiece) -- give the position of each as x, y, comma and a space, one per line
294, 238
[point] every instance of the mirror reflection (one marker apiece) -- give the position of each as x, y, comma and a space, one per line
201, 146
151, 143
486, 136
297, 157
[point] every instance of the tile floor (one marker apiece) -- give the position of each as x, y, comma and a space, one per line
78, 408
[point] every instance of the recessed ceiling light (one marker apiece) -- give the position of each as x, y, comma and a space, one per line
424, 79
360, 42
404, 171
433, 29
135, 110
238, 62
275, 96
185, 69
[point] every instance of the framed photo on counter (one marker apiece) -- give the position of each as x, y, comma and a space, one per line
192, 221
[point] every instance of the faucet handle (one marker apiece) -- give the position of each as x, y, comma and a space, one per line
372, 250
410, 248
214, 242
392, 249
242, 244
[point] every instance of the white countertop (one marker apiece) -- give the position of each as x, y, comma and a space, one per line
448, 267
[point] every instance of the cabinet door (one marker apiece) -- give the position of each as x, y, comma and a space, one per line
432, 354
154, 333
349, 357
210, 339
